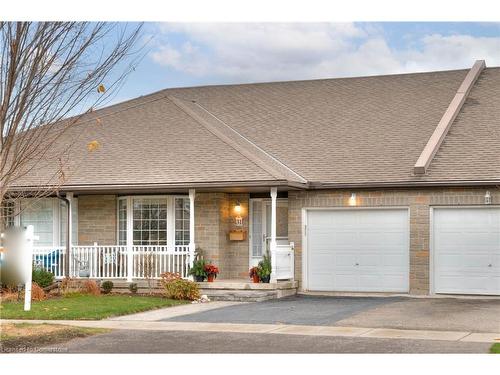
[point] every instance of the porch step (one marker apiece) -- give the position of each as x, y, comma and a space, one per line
244, 291
239, 295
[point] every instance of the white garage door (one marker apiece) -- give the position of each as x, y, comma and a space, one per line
466, 250
364, 250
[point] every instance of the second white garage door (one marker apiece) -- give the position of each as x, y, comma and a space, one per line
466, 250
362, 250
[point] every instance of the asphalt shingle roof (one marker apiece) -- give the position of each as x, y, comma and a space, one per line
365, 130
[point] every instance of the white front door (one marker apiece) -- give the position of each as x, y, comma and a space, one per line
260, 227
358, 250
466, 250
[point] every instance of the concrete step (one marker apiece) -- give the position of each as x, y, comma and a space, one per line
239, 295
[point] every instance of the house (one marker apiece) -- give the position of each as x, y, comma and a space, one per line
370, 184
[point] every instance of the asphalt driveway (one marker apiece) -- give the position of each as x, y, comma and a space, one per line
476, 315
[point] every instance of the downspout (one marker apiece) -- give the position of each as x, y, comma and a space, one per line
68, 234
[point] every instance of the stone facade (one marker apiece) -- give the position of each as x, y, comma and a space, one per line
419, 202
97, 219
214, 219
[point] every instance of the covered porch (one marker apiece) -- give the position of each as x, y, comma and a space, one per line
135, 237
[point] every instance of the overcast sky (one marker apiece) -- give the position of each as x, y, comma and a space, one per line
214, 53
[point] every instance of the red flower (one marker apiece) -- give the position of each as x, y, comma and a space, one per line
254, 271
211, 269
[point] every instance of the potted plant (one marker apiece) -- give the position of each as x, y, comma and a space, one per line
254, 274
265, 269
211, 271
198, 270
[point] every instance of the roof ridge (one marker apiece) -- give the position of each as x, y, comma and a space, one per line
237, 141
448, 118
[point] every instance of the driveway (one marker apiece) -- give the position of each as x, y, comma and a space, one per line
476, 315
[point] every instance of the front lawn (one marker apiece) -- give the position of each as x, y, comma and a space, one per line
84, 307
25, 337
495, 349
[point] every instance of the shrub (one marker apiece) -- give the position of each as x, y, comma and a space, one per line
169, 276
90, 287
72, 286
132, 287
37, 293
181, 289
107, 286
42, 277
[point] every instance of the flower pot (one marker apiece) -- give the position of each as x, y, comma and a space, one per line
265, 279
255, 279
210, 278
199, 279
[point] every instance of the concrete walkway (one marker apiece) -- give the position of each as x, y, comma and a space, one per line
175, 311
273, 329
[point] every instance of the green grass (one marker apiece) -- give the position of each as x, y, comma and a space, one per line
84, 307
24, 337
495, 348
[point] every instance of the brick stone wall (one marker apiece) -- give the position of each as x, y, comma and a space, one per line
207, 211
236, 253
214, 218
419, 202
97, 219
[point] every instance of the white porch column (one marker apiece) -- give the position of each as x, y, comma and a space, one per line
274, 195
192, 246
130, 239
69, 234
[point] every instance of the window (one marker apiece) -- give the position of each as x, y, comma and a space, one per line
122, 221
154, 220
149, 221
50, 220
182, 221
40, 214
7, 214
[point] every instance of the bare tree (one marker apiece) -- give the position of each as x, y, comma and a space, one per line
49, 72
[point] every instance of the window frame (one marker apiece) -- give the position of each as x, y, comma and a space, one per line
170, 198
57, 220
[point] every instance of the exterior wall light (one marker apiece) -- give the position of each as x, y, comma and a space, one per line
237, 208
352, 200
487, 198
238, 219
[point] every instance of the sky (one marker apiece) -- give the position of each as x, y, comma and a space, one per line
194, 54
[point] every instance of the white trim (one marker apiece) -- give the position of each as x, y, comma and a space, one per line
431, 237
170, 214
280, 202
305, 210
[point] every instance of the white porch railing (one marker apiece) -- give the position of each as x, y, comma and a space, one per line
110, 262
285, 261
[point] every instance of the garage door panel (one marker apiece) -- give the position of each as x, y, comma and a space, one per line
466, 241
370, 247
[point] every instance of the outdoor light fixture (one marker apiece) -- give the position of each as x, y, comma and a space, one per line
352, 199
487, 198
238, 219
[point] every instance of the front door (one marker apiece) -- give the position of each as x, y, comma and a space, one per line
260, 227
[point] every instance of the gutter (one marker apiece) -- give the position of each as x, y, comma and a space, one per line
173, 186
400, 184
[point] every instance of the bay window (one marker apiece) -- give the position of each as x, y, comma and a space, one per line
49, 217
153, 220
